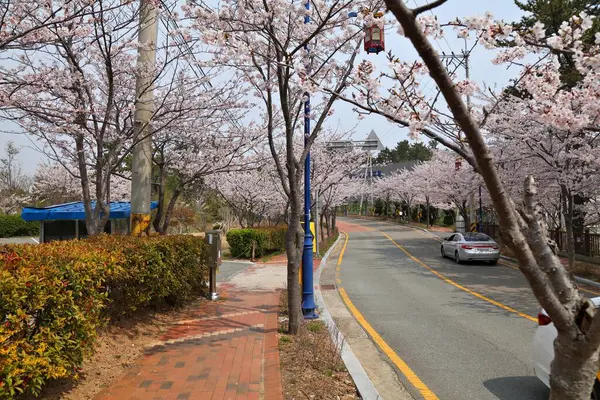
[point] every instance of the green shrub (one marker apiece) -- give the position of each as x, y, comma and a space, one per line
54, 297
275, 238
240, 242
448, 219
14, 225
268, 240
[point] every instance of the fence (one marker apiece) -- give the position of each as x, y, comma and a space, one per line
586, 243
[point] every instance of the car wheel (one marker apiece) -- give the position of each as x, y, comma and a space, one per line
596, 391
457, 257
493, 262
443, 253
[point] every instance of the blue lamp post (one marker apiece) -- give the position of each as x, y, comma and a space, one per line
308, 295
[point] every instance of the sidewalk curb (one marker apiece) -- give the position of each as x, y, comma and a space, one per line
363, 383
577, 278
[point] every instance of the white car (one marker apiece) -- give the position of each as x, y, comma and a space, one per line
471, 246
543, 349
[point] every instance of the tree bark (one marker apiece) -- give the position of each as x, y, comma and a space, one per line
293, 248
161, 199
573, 373
334, 219
427, 211
169, 212
567, 198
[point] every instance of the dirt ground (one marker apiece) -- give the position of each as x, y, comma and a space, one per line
311, 364
119, 345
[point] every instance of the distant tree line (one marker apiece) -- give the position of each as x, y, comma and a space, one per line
406, 151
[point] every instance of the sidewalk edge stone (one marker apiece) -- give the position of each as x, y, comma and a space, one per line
363, 383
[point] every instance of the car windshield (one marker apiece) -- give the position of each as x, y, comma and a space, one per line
477, 237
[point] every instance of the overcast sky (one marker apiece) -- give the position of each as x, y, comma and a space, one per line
481, 71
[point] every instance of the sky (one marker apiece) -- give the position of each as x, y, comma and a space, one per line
482, 71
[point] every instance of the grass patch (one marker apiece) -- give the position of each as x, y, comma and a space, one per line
326, 244
315, 326
587, 271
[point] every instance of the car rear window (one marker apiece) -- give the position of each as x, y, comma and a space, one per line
477, 237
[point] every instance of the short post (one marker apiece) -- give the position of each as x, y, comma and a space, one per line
213, 240
253, 250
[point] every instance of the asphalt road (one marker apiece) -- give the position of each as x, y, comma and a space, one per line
460, 346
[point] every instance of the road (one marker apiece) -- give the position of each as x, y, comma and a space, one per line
459, 345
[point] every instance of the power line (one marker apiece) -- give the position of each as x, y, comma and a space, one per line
171, 23
443, 37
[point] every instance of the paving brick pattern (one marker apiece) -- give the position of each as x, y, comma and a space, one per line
224, 350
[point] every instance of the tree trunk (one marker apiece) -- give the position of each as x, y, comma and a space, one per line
573, 372
427, 211
567, 199
293, 248
169, 212
161, 199
334, 219
322, 218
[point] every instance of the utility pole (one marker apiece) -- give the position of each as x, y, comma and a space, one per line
141, 168
458, 60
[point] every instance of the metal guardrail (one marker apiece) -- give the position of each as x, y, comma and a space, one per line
586, 243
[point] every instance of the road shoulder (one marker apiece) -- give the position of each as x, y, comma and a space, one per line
376, 365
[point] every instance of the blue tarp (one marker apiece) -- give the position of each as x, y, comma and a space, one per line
73, 211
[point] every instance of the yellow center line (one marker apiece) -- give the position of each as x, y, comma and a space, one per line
459, 286
383, 346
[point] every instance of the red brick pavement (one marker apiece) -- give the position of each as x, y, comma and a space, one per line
224, 350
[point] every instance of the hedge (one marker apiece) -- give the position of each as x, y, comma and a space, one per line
268, 240
14, 225
54, 297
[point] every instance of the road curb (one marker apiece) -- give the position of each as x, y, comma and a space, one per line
577, 278
362, 381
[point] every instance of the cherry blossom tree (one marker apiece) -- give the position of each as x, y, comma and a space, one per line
27, 23
399, 186
76, 94
573, 110
283, 59
202, 139
254, 195
14, 183
54, 184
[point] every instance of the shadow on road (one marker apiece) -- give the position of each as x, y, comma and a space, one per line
517, 388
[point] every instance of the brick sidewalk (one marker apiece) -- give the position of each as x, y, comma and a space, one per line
224, 350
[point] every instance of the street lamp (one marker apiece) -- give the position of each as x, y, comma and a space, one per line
308, 298
308, 295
